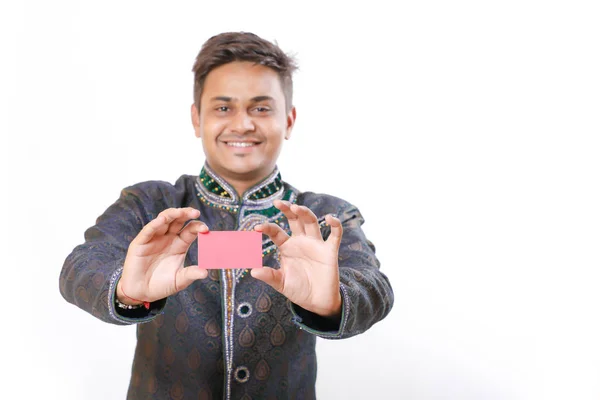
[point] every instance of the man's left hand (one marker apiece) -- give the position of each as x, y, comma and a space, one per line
308, 273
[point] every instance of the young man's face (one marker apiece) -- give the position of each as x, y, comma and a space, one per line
242, 120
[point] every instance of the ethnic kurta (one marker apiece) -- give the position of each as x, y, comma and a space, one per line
228, 336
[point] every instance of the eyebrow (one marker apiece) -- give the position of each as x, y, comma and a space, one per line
255, 99
221, 98
261, 98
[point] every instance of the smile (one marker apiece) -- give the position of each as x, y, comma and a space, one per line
241, 144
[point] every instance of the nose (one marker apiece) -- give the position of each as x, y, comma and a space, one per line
242, 123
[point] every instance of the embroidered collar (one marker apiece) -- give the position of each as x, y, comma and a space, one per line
216, 192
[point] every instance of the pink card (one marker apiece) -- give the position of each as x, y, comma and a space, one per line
230, 249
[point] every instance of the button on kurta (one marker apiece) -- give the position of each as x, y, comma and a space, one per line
242, 374
244, 310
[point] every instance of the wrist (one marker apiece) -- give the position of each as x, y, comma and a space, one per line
124, 299
336, 310
333, 311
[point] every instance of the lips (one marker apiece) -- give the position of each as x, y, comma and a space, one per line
242, 144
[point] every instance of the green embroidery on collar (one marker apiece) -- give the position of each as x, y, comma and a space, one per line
270, 211
267, 190
213, 186
217, 186
258, 200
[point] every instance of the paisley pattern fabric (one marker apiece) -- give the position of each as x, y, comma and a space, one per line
228, 336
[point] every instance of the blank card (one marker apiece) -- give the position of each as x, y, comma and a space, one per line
230, 249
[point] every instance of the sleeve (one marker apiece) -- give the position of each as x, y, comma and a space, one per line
367, 296
91, 272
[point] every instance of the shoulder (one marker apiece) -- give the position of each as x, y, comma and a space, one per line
322, 204
158, 191
312, 199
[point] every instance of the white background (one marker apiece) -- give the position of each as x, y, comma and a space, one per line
466, 132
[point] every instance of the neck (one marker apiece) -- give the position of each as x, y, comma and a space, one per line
241, 183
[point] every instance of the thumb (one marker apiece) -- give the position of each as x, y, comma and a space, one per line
186, 276
270, 276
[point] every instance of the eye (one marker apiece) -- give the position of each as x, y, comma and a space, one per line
222, 109
262, 109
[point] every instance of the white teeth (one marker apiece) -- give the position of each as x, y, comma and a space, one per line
240, 144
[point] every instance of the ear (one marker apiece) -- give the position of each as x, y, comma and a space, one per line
291, 120
196, 120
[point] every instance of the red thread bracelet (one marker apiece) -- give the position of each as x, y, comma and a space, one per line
145, 303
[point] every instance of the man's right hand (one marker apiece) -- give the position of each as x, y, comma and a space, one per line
153, 268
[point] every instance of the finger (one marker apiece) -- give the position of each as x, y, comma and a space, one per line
296, 226
151, 229
160, 224
270, 276
181, 216
191, 230
309, 219
186, 276
164, 220
335, 237
274, 232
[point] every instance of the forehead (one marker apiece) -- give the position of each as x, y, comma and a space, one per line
242, 80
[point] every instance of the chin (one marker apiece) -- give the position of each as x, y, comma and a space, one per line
244, 169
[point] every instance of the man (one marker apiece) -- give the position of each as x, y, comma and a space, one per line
229, 333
